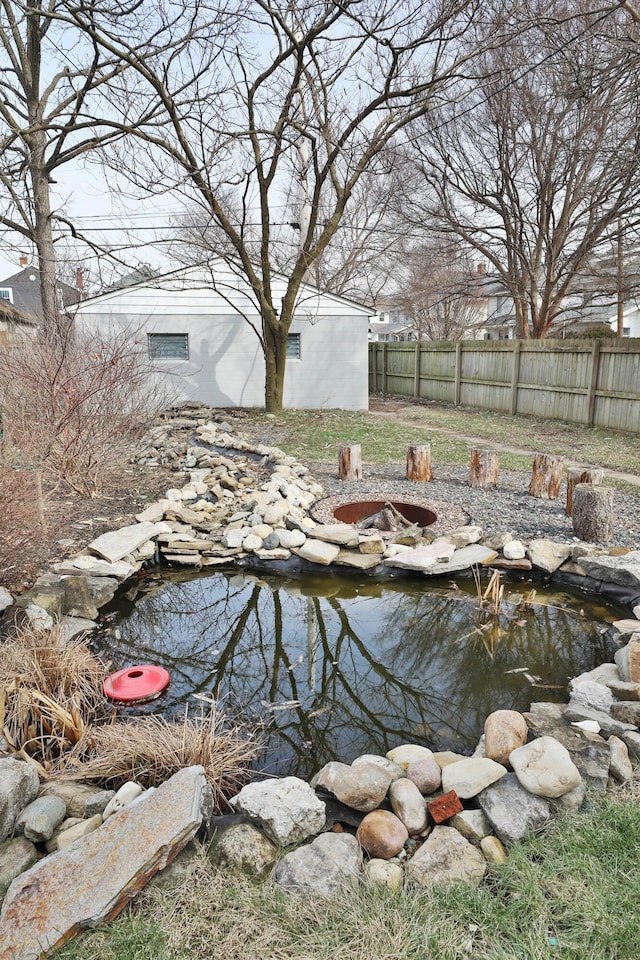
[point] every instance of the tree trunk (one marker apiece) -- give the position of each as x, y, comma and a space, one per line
350, 461
419, 462
577, 475
592, 512
484, 469
546, 477
274, 365
43, 238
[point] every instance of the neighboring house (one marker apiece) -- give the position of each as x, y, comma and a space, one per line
197, 324
14, 325
22, 290
390, 325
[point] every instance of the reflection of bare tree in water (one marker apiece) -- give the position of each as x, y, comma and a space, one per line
338, 675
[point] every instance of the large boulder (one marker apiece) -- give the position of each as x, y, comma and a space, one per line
408, 805
382, 835
321, 868
545, 768
512, 811
504, 730
363, 787
446, 857
243, 849
288, 810
19, 784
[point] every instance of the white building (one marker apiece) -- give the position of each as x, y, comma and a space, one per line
200, 327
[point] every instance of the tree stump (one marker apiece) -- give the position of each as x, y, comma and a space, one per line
577, 475
546, 477
350, 461
484, 468
592, 512
419, 462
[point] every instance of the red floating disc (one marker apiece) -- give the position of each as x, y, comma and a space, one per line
136, 684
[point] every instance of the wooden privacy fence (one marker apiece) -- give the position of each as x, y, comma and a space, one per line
582, 381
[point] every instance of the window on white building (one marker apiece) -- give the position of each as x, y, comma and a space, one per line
293, 346
168, 346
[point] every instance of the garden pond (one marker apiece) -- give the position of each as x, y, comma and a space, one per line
334, 667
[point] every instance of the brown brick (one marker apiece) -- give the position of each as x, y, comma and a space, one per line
445, 807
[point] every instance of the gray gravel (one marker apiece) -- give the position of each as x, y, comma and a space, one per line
507, 507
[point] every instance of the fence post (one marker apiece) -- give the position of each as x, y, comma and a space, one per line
458, 374
416, 371
515, 377
595, 369
384, 367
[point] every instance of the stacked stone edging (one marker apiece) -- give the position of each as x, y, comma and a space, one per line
251, 507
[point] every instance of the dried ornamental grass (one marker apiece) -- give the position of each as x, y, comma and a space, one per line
50, 690
151, 749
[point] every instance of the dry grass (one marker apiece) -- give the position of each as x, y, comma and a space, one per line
49, 691
151, 749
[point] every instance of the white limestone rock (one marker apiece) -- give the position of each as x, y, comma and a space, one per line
514, 550
317, 551
469, 777
288, 810
544, 768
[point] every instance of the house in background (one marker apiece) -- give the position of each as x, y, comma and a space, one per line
14, 325
196, 323
22, 290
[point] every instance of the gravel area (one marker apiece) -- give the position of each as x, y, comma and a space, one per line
507, 507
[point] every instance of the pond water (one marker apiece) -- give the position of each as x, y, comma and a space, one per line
337, 667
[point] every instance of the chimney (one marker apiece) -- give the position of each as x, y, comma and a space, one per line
79, 279
24, 259
481, 269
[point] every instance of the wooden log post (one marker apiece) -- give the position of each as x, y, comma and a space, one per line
419, 462
484, 469
592, 512
577, 475
546, 477
350, 461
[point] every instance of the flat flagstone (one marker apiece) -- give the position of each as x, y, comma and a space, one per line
463, 559
361, 561
91, 881
623, 570
118, 544
95, 567
423, 558
317, 551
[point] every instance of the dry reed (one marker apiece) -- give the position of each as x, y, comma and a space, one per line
151, 749
50, 690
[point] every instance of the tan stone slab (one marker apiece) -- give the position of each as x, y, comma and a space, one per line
93, 879
361, 561
116, 544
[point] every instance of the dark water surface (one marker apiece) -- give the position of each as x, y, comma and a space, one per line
341, 666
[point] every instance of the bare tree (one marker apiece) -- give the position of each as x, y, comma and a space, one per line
281, 125
542, 163
49, 74
440, 294
55, 97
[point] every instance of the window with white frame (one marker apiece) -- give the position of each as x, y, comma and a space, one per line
168, 346
6, 293
293, 346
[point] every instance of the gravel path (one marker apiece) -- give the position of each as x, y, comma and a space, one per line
508, 507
